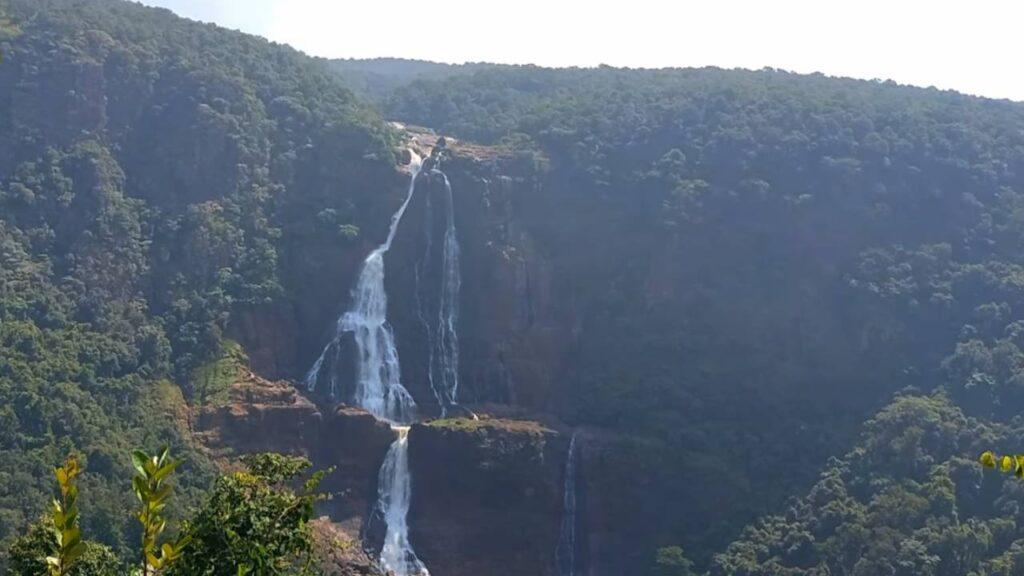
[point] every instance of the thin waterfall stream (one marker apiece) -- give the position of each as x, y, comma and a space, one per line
441, 328
565, 553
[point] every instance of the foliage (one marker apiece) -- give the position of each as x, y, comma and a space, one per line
904, 502
28, 553
754, 262
160, 182
670, 561
212, 380
64, 516
1005, 463
55, 546
151, 488
782, 253
253, 522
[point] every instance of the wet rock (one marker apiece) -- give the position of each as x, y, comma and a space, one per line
354, 443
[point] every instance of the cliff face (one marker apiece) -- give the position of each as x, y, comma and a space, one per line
515, 323
487, 496
261, 416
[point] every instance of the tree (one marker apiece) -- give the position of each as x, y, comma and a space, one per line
54, 546
28, 553
253, 523
670, 561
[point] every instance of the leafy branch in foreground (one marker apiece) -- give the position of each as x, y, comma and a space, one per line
65, 520
1006, 464
152, 491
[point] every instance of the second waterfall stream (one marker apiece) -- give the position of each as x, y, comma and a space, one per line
378, 381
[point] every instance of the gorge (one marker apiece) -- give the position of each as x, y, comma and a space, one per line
635, 323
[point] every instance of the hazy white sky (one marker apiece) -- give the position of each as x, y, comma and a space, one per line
973, 46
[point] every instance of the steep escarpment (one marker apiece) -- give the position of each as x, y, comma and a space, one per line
503, 478
711, 277
514, 324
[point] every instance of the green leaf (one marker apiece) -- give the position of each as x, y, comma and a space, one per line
139, 459
74, 552
166, 470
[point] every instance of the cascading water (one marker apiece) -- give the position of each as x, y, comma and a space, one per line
565, 552
394, 490
442, 333
378, 388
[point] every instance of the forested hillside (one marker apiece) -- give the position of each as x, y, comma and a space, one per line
376, 79
785, 311
759, 260
159, 179
907, 501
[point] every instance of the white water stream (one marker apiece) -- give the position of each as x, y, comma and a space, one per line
378, 388
565, 553
442, 335
394, 491
378, 383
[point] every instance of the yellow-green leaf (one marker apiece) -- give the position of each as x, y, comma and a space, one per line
1006, 464
988, 459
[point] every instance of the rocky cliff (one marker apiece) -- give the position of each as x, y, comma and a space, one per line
491, 489
260, 415
487, 492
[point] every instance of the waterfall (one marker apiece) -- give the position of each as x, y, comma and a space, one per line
378, 385
379, 388
565, 552
444, 339
394, 489
439, 312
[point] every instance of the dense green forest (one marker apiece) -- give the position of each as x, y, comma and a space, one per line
778, 255
156, 176
795, 301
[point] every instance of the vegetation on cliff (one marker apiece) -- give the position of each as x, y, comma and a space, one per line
908, 500
747, 265
756, 261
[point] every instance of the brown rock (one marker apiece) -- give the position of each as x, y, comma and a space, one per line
261, 416
339, 552
265, 416
486, 496
354, 443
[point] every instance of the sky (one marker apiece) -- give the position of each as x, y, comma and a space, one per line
968, 46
